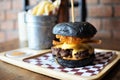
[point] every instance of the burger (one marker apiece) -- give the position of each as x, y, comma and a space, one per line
71, 47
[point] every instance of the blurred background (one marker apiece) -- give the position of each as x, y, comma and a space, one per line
103, 14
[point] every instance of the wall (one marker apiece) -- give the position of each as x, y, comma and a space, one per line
8, 18
105, 15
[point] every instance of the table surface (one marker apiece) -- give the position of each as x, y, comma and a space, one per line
11, 72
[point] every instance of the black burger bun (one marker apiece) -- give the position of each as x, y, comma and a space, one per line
76, 29
75, 63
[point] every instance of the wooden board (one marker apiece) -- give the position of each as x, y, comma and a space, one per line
18, 61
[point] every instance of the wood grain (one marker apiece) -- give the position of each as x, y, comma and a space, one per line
10, 72
19, 62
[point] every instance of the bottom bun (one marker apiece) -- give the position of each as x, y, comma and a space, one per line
75, 63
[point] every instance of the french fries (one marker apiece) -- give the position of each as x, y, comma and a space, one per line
46, 7
73, 40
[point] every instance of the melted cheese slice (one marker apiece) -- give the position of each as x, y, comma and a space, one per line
76, 48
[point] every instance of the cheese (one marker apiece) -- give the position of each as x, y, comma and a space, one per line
76, 48
68, 46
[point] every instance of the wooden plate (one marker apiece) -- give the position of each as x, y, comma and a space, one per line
42, 62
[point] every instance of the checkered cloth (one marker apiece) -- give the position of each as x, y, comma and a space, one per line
101, 60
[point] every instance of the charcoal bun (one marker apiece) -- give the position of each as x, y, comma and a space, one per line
76, 29
75, 63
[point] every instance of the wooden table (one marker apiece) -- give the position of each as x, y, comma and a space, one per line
10, 72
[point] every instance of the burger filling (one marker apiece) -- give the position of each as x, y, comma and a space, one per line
72, 48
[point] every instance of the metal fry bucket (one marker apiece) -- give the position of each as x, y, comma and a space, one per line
39, 29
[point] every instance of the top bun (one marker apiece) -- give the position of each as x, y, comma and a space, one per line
76, 29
